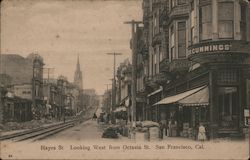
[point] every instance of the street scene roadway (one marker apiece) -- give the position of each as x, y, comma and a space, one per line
88, 130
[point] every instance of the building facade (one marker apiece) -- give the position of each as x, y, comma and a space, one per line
197, 65
24, 77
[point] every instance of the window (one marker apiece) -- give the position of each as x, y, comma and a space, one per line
205, 21
226, 19
228, 106
243, 22
155, 62
37, 90
173, 3
156, 23
160, 53
181, 39
192, 22
152, 63
172, 43
228, 76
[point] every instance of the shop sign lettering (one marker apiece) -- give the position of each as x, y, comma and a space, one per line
211, 48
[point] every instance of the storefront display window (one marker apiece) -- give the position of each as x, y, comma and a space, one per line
228, 106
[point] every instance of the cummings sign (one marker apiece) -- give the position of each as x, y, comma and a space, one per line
211, 48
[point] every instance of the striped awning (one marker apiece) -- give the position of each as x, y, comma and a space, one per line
194, 97
200, 98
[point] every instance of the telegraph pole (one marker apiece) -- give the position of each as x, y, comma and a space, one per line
109, 96
114, 80
134, 25
48, 71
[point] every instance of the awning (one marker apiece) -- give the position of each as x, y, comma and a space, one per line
199, 98
155, 92
178, 97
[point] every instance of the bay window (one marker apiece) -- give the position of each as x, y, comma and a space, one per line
181, 39
205, 20
226, 19
243, 22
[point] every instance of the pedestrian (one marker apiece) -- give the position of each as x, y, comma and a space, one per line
94, 117
161, 127
202, 133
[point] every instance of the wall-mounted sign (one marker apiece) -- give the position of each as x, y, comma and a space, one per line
211, 48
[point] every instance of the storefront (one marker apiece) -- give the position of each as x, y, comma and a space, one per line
183, 112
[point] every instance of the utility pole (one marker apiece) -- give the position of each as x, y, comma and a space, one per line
109, 96
48, 72
114, 80
134, 25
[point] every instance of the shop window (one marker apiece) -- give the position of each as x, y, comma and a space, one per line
181, 39
228, 106
205, 21
243, 22
228, 76
226, 19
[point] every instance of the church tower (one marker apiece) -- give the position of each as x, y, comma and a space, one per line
78, 75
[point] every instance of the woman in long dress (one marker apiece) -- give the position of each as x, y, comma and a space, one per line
202, 133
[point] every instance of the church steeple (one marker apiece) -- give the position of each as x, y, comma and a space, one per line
78, 64
78, 74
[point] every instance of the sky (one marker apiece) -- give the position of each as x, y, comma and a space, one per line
59, 30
